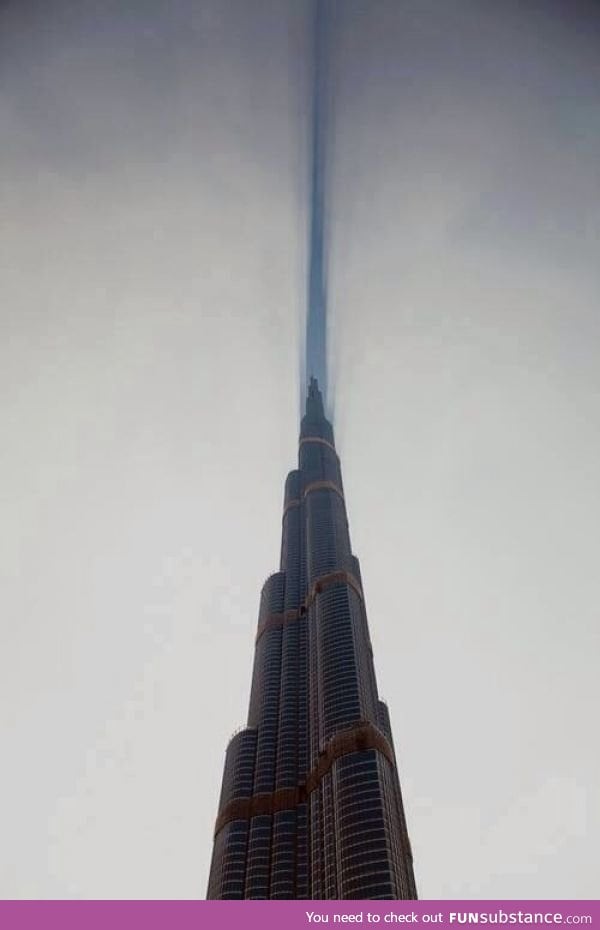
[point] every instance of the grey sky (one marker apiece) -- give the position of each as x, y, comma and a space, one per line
153, 197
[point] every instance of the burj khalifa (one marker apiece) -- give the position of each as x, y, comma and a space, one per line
311, 805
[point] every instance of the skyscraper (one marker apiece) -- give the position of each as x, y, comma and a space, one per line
310, 804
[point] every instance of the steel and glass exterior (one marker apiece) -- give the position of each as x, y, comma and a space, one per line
310, 804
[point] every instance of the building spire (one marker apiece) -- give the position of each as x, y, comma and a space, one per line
316, 318
314, 400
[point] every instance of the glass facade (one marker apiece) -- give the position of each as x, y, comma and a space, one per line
310, 805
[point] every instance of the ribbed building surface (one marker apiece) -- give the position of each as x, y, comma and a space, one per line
310, 805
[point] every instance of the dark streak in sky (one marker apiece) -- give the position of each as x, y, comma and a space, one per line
316, 326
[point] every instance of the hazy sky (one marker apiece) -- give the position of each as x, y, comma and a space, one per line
153, 214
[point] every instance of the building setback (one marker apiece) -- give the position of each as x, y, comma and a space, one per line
310, 803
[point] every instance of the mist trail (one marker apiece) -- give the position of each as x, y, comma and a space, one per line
315, 359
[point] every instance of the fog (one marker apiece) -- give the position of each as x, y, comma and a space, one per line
154, 191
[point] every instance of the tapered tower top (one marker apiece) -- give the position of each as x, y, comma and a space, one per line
314, 401
314, 421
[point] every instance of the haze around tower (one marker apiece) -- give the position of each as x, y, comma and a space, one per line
154, 232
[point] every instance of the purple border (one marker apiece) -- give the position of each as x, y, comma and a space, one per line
290, 915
